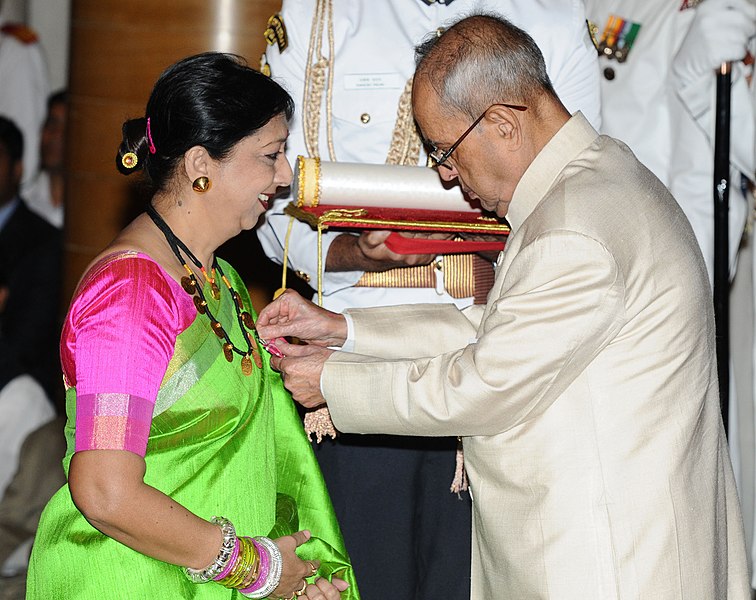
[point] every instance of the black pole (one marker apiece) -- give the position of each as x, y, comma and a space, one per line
721, 237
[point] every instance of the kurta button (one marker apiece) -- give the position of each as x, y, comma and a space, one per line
365, 118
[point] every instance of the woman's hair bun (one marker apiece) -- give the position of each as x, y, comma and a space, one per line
133, 151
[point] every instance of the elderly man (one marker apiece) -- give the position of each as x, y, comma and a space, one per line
585, 389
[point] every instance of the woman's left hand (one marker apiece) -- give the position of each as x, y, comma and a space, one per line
294, 568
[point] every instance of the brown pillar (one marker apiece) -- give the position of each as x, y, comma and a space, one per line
118, 49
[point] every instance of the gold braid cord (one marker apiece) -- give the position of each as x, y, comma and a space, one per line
404, 150
405, 140
318, 78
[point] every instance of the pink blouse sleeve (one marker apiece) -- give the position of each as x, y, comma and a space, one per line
119, 336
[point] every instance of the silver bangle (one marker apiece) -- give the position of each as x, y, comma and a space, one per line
274, 570
224, 554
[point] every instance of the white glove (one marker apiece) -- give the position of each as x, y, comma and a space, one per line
719, 33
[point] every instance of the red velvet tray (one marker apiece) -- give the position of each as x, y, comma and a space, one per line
350, 217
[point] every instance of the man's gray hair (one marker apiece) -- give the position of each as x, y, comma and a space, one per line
483, 60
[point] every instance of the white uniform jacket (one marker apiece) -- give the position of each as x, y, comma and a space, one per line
24, 89
374, 57
668, 122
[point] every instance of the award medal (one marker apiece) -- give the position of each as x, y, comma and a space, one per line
618, 38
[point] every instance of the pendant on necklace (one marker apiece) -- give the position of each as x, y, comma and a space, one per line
246, 365
188, 284
215, 290
218, 329
237, 300
256, 357
248, 321
228, 352
200, 305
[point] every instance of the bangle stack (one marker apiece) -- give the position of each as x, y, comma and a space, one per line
245, 569
224, 554
252, 566
271, 565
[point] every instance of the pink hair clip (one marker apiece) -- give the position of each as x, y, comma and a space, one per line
149, 138
272, 348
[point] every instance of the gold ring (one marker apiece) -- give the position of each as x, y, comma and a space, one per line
301, 590
313, 568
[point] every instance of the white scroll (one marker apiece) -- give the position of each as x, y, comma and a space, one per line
320, 183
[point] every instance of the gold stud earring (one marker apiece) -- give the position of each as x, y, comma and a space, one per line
201, 185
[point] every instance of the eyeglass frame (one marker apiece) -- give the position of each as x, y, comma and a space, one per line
437, 162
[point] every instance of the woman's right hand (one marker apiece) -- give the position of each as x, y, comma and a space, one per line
295, 570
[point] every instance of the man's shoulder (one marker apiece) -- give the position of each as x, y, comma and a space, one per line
545, 15
603, 190
26, 225
20, 52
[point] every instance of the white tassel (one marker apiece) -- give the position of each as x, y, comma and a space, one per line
318, 422
459, 484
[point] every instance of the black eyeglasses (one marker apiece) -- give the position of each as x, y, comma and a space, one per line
438, 158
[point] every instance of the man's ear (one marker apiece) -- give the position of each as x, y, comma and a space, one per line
197, 163
506, 122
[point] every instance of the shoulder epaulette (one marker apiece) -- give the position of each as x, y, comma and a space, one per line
23, 33
592, 32
275, 33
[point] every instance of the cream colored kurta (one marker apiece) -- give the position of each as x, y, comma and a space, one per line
586, 391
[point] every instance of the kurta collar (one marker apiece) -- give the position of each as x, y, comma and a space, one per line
574, 137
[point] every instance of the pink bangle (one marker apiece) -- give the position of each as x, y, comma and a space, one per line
264, 567
230, 564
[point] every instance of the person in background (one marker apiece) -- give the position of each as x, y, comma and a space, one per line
45, 193
30, 263
24, 88
584, 390
30, 279
184, 453
658, 82
391, 494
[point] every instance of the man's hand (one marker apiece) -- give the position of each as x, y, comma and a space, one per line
719, 33
372, 245
292, 315
301, 368
368, 252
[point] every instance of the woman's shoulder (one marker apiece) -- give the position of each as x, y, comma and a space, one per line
132, 283
123, 265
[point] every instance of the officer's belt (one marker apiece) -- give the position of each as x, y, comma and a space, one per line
465, 276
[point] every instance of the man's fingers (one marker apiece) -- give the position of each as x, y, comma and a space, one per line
275, 362
339, 584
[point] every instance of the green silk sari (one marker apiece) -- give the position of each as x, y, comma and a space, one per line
221, 443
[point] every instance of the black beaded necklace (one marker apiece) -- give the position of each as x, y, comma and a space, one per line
192, 287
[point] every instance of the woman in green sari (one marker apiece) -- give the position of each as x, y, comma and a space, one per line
185, 454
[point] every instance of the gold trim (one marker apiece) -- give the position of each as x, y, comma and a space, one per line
318, 183
458, 269
358, 216
308, 182
300, 180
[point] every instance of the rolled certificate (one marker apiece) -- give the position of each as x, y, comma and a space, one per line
319, 183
